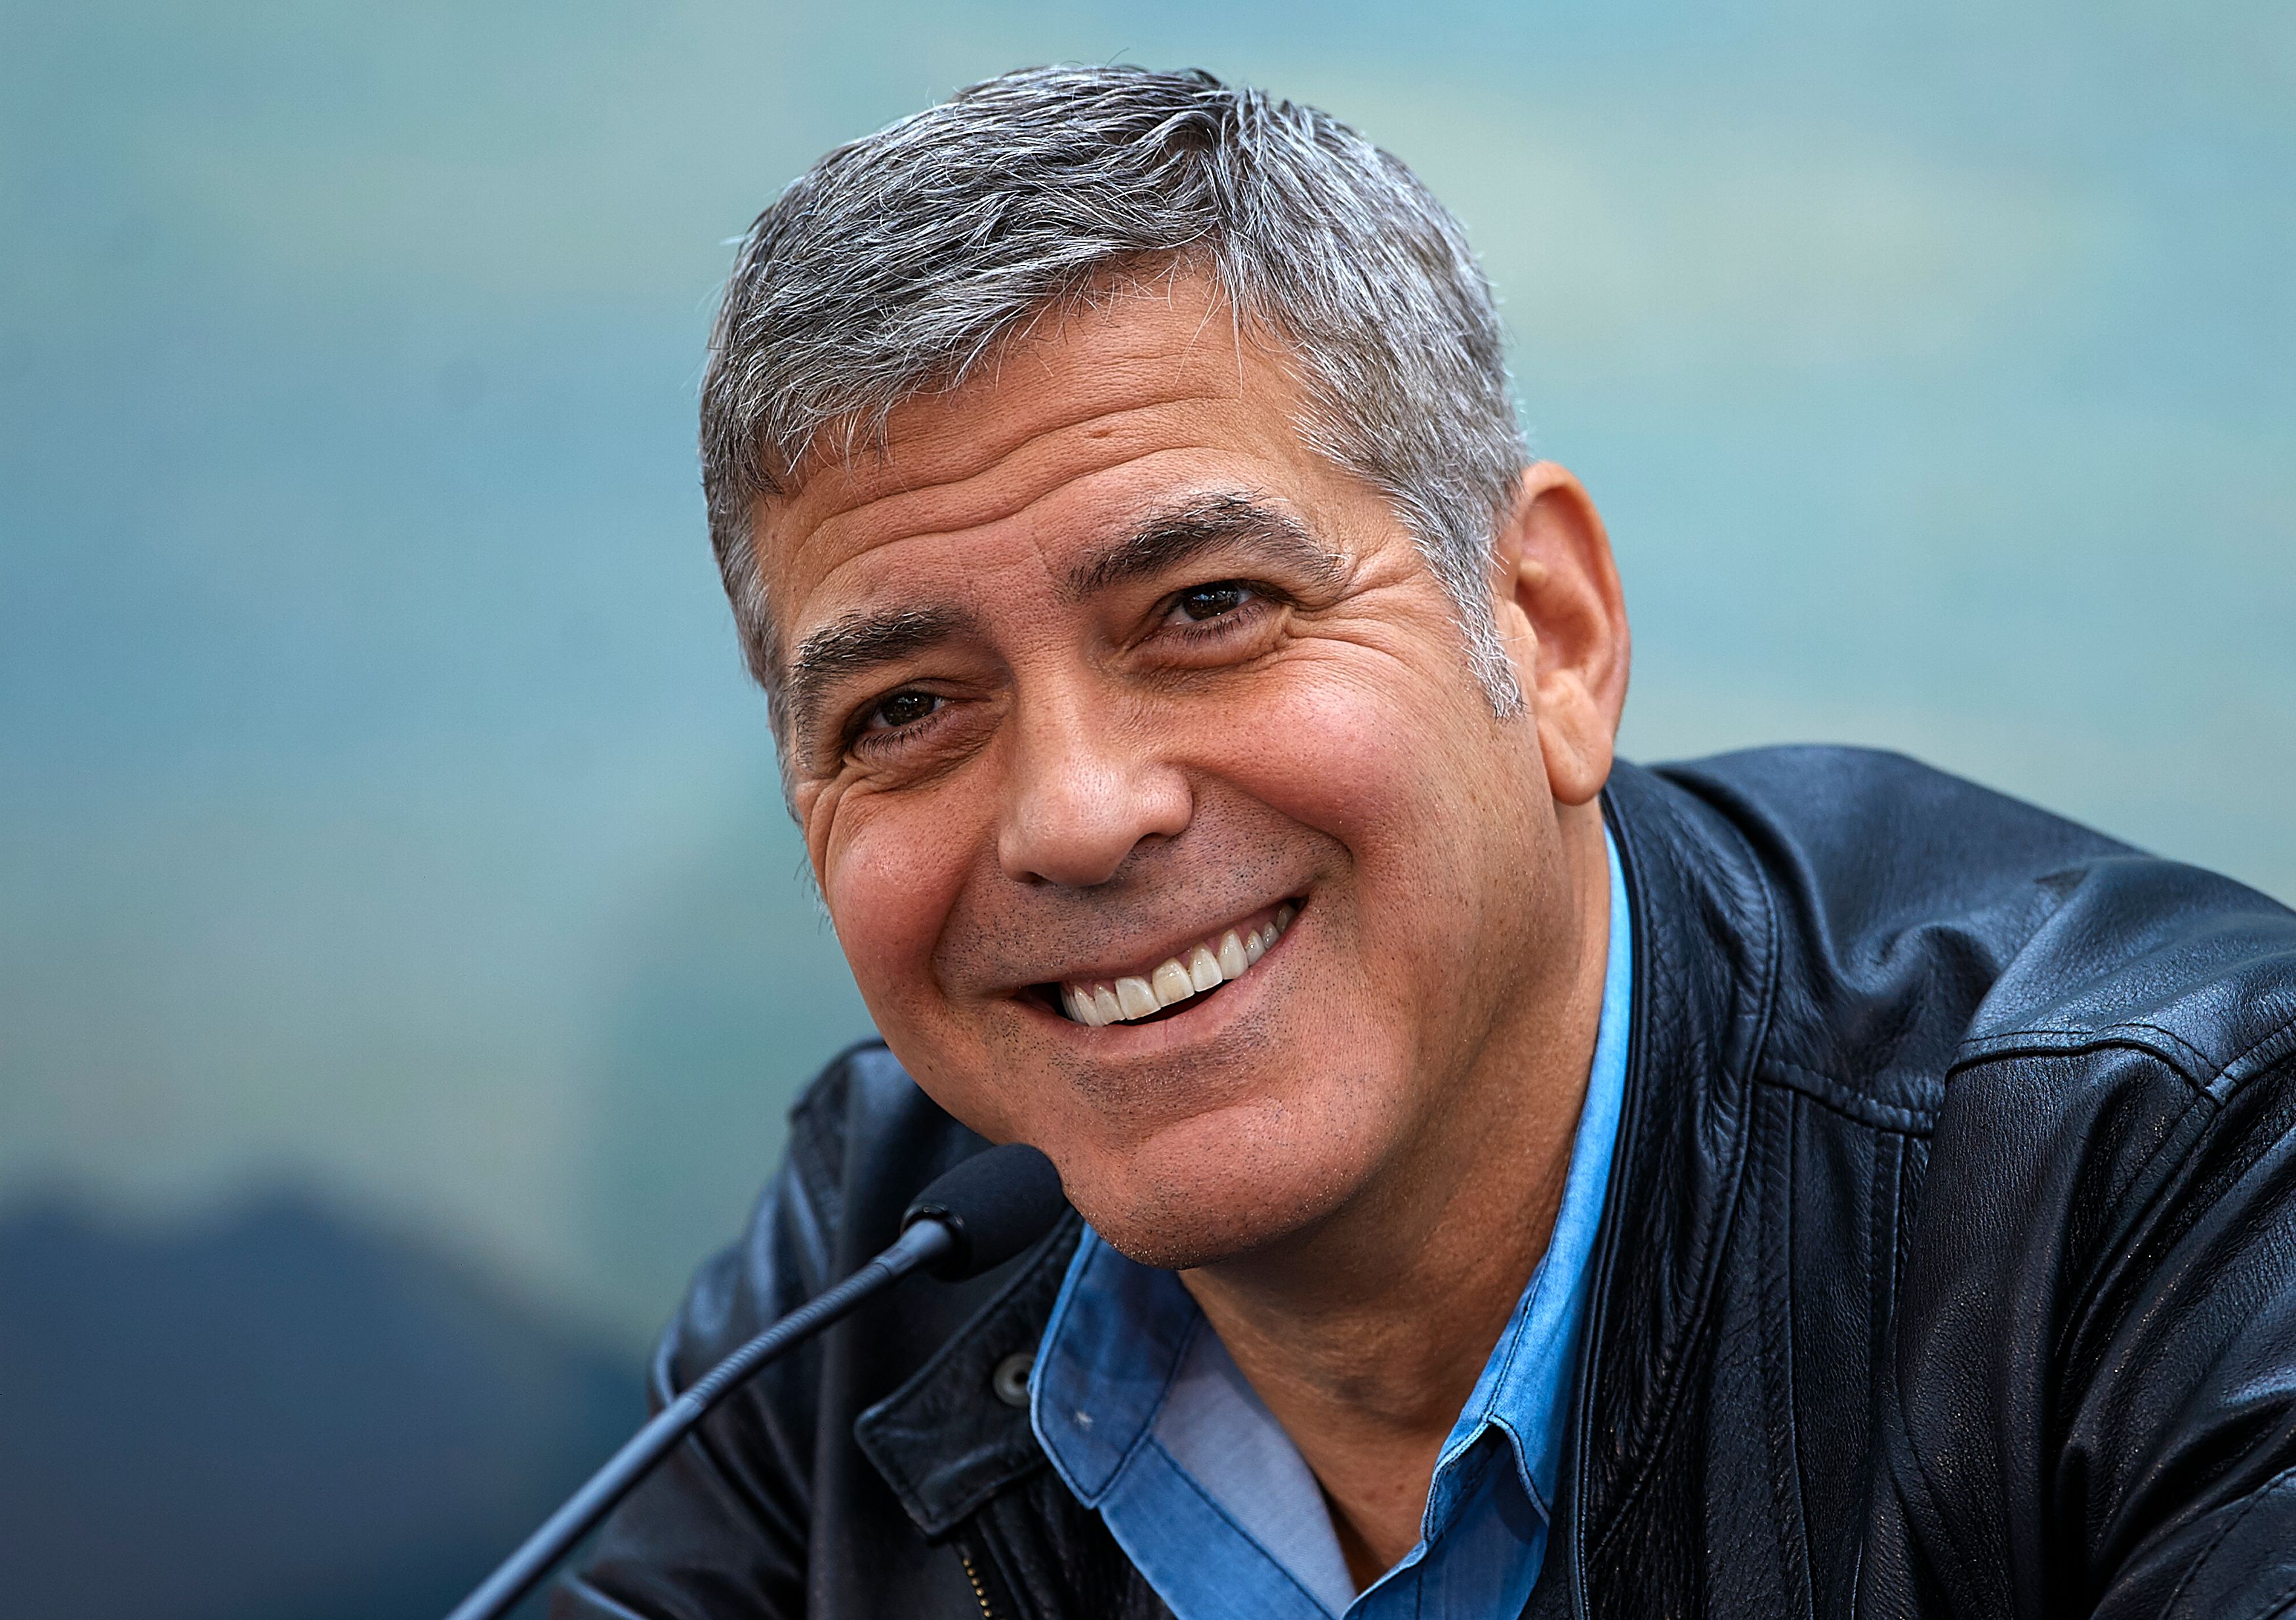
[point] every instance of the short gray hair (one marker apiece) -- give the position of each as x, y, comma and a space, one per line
897, 264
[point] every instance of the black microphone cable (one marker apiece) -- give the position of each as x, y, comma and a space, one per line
976, 1216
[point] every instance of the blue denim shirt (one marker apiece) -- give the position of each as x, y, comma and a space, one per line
1148, 1420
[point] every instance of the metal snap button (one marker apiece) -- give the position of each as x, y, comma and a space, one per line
1010, 1379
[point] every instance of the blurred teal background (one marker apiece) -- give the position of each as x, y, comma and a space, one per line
404, 957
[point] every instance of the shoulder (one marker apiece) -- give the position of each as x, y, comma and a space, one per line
863, 1141
1924, 924
1866, 844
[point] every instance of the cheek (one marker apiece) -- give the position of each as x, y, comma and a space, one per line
1438, 807
889, 883
1378, 764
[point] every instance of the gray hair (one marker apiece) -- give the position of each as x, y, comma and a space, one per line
897, 264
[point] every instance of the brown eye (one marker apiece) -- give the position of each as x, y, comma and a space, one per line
1212, 601
902, 708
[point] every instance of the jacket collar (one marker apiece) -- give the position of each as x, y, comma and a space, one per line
949, 1438
1707, 934
1706, 950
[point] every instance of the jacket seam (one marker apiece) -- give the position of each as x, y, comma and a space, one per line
2278, 1031
2225, 1530
1785, 1460
2188, 1066
1966, 1566
1882, 1209
2117, 1244
1831, 1095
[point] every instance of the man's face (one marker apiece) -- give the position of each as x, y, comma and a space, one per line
1098, 666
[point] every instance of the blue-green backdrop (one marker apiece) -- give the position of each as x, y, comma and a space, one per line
396, 904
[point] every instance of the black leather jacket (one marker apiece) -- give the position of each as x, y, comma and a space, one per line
1948, 1265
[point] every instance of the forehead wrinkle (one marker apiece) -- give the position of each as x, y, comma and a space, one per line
986, 493
863, 557
1139, 370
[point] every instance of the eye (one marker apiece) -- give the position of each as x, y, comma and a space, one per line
1205, 601
898, 709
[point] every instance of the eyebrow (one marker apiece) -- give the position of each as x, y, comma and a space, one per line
857, 643
1170, 538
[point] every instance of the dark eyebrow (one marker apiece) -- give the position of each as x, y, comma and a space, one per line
1170, 538
858, 642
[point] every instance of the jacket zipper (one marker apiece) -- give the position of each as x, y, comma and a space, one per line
980, 1591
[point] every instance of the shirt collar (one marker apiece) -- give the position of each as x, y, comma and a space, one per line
1526, 1382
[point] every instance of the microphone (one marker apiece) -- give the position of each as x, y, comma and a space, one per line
974, 1218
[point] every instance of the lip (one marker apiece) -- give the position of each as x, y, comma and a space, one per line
1189, 1021
1142, 964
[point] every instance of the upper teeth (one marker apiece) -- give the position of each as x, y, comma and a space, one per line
1175, 979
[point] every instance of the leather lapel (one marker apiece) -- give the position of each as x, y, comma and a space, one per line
944, 1441
1706, 950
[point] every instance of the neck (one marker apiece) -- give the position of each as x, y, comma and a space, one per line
1365, 1335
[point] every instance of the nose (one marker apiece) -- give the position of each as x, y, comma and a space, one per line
1082, 795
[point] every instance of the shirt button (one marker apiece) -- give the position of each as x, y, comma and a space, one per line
1010, 1379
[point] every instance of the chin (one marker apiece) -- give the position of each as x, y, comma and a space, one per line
1183, 1240
1180, 1211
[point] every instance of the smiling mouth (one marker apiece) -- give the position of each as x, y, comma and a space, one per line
1175, 983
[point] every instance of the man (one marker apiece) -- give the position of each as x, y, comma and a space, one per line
1508, 1181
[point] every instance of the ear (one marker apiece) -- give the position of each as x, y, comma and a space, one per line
1563, 618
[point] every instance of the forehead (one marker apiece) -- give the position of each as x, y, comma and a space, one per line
1107, 412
